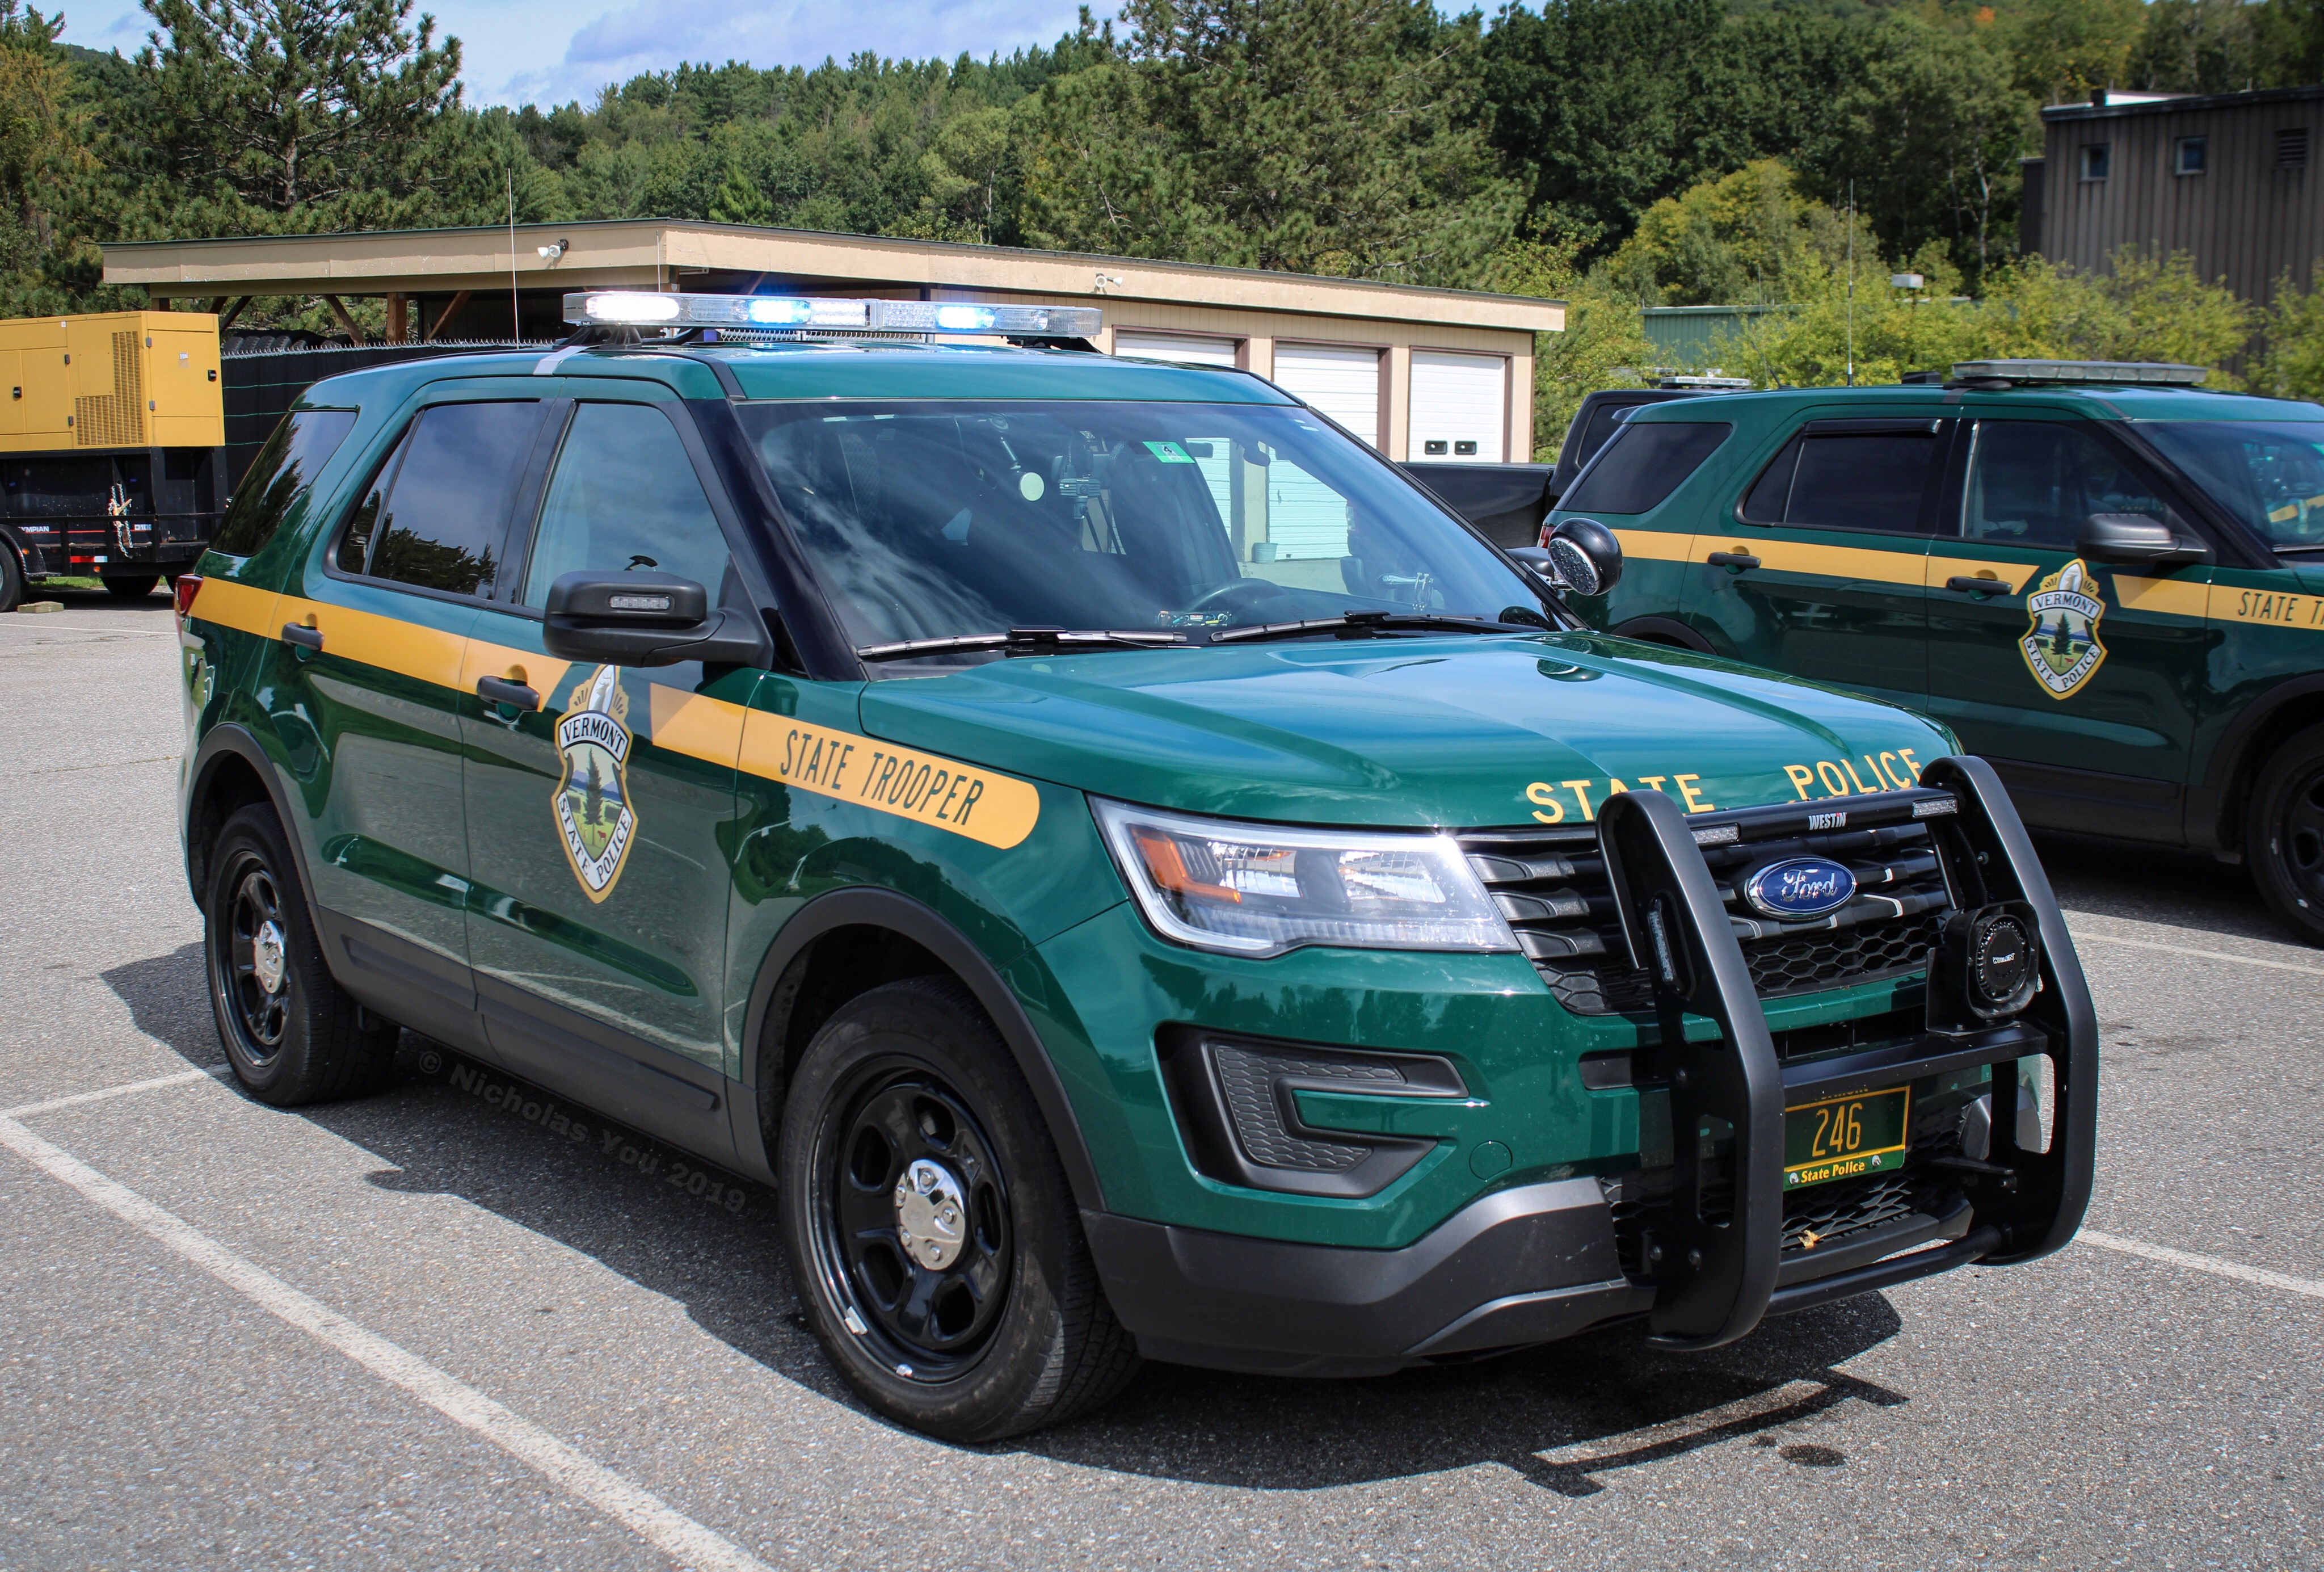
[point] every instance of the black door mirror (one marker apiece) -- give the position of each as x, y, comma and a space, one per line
646, 619
1585, 555
2135, 540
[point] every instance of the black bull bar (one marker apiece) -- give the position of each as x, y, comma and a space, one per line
1717, 1277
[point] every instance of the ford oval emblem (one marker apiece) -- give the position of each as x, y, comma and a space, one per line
1799, 887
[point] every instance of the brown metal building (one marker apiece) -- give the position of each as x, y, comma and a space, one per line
2229, 179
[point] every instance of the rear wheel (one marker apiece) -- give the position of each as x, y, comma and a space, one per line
2283, 833
131, 585
291, 1036
932, 1235
11, 581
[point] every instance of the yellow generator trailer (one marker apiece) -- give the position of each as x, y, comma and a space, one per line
112, 447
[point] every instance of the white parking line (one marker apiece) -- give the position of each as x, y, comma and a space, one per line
668, 1530
2205, 955
155, 1085
2211, 1263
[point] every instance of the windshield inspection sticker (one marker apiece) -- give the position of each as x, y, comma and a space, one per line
2060, 645
1169, 453
593, 817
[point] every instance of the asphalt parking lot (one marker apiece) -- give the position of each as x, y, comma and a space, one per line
420, 1330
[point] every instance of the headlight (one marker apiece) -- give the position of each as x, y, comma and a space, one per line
1261, 889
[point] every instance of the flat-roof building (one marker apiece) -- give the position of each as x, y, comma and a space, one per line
2227, 177
1423, 374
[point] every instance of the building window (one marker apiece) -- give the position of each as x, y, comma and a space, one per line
2291, 147
2189, 161
2095, 160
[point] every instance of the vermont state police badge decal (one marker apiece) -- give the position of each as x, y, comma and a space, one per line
593, 816
2060, 645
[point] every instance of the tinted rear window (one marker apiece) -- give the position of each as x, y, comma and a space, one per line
278, 476
1644, 464
1846, 480
438, 516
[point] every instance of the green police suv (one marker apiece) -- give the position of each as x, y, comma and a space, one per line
1136, 874
2101, 578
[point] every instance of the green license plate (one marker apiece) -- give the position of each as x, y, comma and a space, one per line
1845, 1137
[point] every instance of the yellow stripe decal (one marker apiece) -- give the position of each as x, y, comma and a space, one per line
2162, 597
407, 648
1655, 545
998, 809
243, 608
2232, 604
696, 725
1846, 562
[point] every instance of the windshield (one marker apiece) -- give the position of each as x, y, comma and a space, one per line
934, 520
2270, 475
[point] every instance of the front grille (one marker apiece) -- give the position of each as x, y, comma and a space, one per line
1834, 1211
1552, 886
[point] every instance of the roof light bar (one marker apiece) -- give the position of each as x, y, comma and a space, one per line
2148, 372
637, 307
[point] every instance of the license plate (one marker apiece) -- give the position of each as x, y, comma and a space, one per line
1846, 1137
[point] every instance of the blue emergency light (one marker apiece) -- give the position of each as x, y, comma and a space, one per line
791, 313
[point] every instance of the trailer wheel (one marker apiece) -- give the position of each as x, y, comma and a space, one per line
132, 586
12, 580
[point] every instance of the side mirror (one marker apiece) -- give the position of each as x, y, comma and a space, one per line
1584, 556
646, 619
2134, 540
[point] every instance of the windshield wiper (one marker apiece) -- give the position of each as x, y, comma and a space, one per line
1024, 641
1367, 622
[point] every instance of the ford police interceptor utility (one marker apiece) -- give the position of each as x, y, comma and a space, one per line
2105, 581
1137, 876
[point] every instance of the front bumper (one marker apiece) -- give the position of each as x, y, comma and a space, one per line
1539, 1262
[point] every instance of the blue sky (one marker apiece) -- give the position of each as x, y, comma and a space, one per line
547, 51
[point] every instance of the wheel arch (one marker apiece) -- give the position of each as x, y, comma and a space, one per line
230, 771
841, 945
2214, 807
1664, 630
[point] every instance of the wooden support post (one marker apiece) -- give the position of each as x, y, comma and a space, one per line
345, 320
236, 310
218, 304
448, 312
399, 318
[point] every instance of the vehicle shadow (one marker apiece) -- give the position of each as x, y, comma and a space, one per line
1561, 1416
2185, 889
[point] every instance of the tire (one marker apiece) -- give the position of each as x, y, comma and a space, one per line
2283, 833
131, 585
989, 1321
302, 1040
12, 580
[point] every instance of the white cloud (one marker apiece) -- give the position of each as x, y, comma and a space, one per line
542, 51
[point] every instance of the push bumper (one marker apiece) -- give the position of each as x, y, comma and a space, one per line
1537, 1263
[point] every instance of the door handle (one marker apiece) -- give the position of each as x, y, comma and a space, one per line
306, 638
493, 690
1740, 562
1966, 585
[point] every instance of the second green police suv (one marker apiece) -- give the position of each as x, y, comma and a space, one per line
1138, 877
2104, 580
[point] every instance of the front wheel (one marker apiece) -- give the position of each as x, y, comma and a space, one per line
932, 1235
2283, 833
291, 1036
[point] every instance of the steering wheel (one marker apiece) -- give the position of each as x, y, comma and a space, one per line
1235, 596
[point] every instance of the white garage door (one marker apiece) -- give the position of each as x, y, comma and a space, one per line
1460, 403
1342, 382
1169, 346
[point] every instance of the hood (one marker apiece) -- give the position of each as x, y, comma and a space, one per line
1453, 732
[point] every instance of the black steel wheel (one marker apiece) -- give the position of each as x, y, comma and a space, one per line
290, 1034
2283, 833
258, 984
914, 1224
933, 1241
